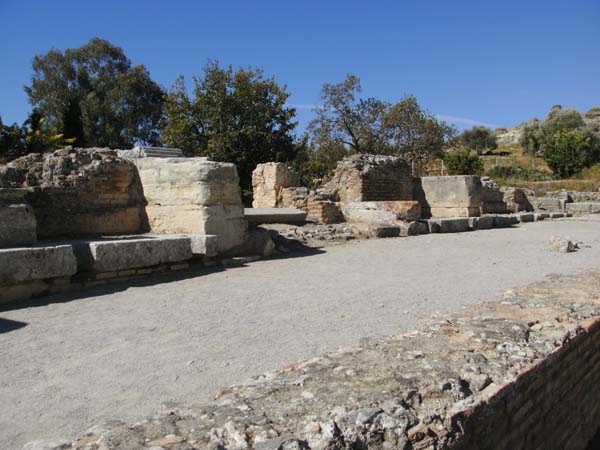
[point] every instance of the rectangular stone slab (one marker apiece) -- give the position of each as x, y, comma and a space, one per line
583, 208
17, 225
377, 212
275, 215
23, 264
122, 254
461, 191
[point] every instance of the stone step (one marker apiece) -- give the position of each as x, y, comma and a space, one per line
130, 253
275, 215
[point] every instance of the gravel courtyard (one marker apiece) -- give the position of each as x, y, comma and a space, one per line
120, 351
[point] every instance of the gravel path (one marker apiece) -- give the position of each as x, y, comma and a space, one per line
120, 352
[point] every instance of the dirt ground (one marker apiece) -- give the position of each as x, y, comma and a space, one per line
68, 362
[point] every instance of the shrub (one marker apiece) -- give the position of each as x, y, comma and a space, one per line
516, 173
568, 152
590, 173
463, 162
479, 139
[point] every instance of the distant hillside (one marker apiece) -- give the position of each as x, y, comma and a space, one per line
512, 136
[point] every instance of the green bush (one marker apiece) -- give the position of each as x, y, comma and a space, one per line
463, 162
590, 173
568, 153
516, 173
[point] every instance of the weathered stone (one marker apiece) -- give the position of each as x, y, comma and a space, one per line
75, 192
541, 216
323, 211
562, 245
413, 228
194, 196
526, 217
484, 222
377, 212
449, 225
294, 197
268, 181
478, 378
548, 204
450, 196
17, 225
204, 245
583, 208
492, 198
504, 220
150, 152
22, 264
124, 254
517, 200
275, 215
365, 177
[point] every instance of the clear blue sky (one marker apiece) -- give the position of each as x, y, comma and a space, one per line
497, 63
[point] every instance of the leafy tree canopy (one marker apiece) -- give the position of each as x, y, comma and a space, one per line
463, 162
94, 95
234, 116
374, 126
478, 139
568, 152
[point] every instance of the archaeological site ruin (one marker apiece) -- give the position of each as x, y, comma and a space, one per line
519, 372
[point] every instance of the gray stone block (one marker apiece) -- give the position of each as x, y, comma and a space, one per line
453, 225
275, 215
123, 254
17, 225
541, 216
504, 220
584, 208
549, 204
526, 217
557, 215
485, 223
18, 265
204, 244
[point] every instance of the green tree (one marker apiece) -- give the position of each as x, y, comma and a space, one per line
344, 120
463, 162
539, 134
234, 116
94, 95
568, 153
374, 126
414, 133
478, 139
31, 137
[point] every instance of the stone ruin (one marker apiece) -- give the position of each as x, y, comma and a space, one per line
80, 217
274, 185
77, 192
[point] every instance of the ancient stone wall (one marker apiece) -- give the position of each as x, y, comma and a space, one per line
365, 177
492, 198
449, 196
76, 192
518, 373
517, 199
194, 196
268, 181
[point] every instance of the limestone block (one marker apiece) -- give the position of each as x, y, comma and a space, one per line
484, 222
448, 213
23, 264
294, 197
202, 244
461, 192
377, 212
17, 225
526, 217
123, 254
275, 215
450, 225
517, 199
193, 196
504, 220
549, 204
584, 208
268, 180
